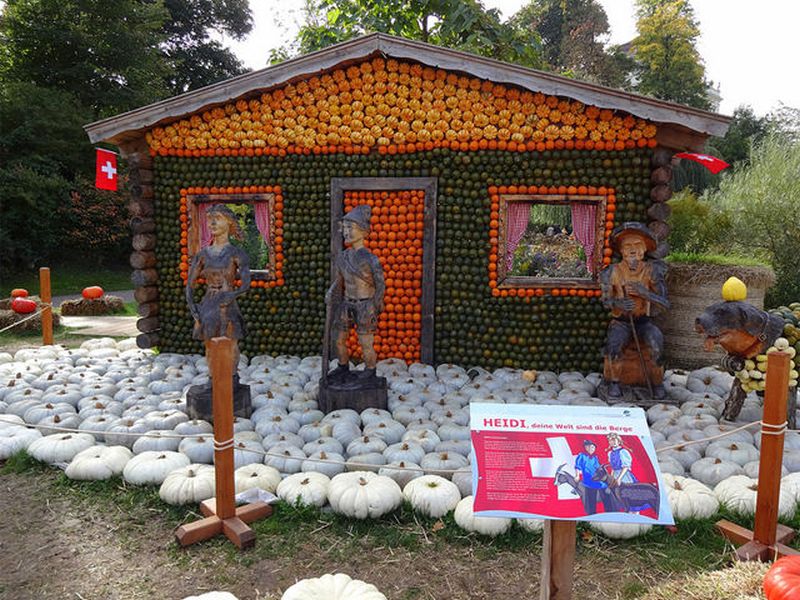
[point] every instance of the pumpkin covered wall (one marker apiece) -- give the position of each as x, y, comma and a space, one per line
382, 128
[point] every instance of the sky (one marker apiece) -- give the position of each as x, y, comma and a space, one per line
748, 46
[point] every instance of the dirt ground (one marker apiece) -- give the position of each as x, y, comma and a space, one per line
56, 545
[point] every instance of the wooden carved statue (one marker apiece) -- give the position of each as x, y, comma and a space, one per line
354, 299
221, 264
634, 289
743, 331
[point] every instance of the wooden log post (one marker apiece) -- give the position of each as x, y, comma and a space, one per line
558, 560
221, 514
47, 312
768, 539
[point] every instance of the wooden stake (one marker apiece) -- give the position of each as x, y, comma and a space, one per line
558, 560
221, 513
768, 538
47, 312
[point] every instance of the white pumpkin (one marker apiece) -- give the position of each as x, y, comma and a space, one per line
740, 453
156, 441
372, 461
286, 458
291, 439
332, 587
791, 483
247, 452
189, 484
323, 444
322, 462
365, 445
751, 469
466, 519
738, 494
532, 525
620, 531
199, 449
308, 489
713, 470
728, 429
390, 431
213, 596
690, 499
402, 472
431, 495
152, 468
256, 476
667, 464
363, 494
99, 463
15, 438
60, 447
463, 480
426, 438
404, 452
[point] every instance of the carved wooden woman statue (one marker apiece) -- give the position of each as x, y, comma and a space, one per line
220, 264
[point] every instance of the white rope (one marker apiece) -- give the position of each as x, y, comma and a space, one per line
220, 446
28, 318
779, 429
708, 439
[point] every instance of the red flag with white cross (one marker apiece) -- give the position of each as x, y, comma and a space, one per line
106, 172
712, 163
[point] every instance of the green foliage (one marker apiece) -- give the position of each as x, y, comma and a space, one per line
462, 24
696, 225
745, 130
762, 200
715, 259
572, 33
669, 66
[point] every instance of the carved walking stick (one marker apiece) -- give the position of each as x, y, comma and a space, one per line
639, 349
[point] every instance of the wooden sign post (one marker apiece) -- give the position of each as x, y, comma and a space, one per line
47, 299
768, 539
222, 515
558, 560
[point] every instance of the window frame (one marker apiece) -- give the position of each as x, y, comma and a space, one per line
507, 282
193, 202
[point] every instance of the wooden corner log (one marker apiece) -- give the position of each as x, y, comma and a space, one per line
660, 211
142, 225
142, 277
148, 340
138, 207
660, 229
660, 193
661, 175
144, 241
147, 324
142, 260
145, 293
148, 309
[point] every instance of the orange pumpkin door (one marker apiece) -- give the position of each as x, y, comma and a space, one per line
403, 237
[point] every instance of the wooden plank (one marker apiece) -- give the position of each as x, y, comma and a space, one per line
783, 550
735, 533
754, 550
219, 351
253, 511
238, 532
769, 477
191, 533
558, 560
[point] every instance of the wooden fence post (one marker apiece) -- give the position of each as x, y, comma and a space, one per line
47, 313
558, 560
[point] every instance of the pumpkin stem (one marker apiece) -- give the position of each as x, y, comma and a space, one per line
305, 481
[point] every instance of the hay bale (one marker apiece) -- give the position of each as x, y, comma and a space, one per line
742, 581
85, 307
8, 317
693, 287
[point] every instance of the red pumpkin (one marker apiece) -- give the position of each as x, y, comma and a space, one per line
19, 293
93, 292
782, 581
23, 306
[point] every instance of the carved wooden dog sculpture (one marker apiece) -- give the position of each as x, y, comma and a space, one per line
740, 328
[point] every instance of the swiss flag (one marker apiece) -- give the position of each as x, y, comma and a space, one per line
712, 163
106, 171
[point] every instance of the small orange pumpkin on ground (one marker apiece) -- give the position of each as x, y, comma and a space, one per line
782, 581
93, 292
19, 293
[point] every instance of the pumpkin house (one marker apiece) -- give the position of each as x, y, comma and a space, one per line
494, 189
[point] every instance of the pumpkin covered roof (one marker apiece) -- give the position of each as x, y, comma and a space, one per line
685, 127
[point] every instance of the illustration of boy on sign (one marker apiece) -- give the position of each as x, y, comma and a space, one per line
586, 465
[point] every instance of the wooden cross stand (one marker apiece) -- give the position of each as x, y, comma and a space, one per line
768, 539
221, 513
558, 560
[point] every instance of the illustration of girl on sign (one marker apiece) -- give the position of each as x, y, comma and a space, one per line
620, 460
631, 495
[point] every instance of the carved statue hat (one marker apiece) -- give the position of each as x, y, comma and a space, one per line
360, 215
637, 229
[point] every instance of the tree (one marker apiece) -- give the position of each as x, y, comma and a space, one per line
195, 59
462, 24
745, 130
669, 66
572, 34
106, 54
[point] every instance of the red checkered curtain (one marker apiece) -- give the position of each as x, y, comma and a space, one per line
261, 210
517, 216
584, 226
205, 233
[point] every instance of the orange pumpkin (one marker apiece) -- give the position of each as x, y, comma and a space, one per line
19, 293
23, 306
782, 581
92, 292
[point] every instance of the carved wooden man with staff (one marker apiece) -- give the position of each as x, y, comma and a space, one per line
634, 289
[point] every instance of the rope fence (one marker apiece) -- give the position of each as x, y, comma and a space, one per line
231, 443
47, 307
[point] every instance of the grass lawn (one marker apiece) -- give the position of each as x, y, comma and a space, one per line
69, 279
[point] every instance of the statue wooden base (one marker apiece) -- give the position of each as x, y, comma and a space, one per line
631, 394
630, 369
352, 392
199, 404
221, 513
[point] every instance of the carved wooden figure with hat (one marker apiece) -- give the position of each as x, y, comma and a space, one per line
635, 290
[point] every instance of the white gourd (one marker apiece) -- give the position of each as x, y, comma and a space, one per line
156, 442
332, 587
333, 465
390, 431
424, 437
402, 472
14, 438
466, 519
690, 499
791, 483
291, 439
256, 476
713, 470
323, 444
443, 463
751, 469
308, 489
463, 480
532, 525
213, 596
431, 495
620, 531
286, 458
189, 484
372, 461
59, 447
462, 447
98, 463
404, 451
738, 494
151, 468
791, 460
740, 453
365, 445
198, 449
363, 494
667, 464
